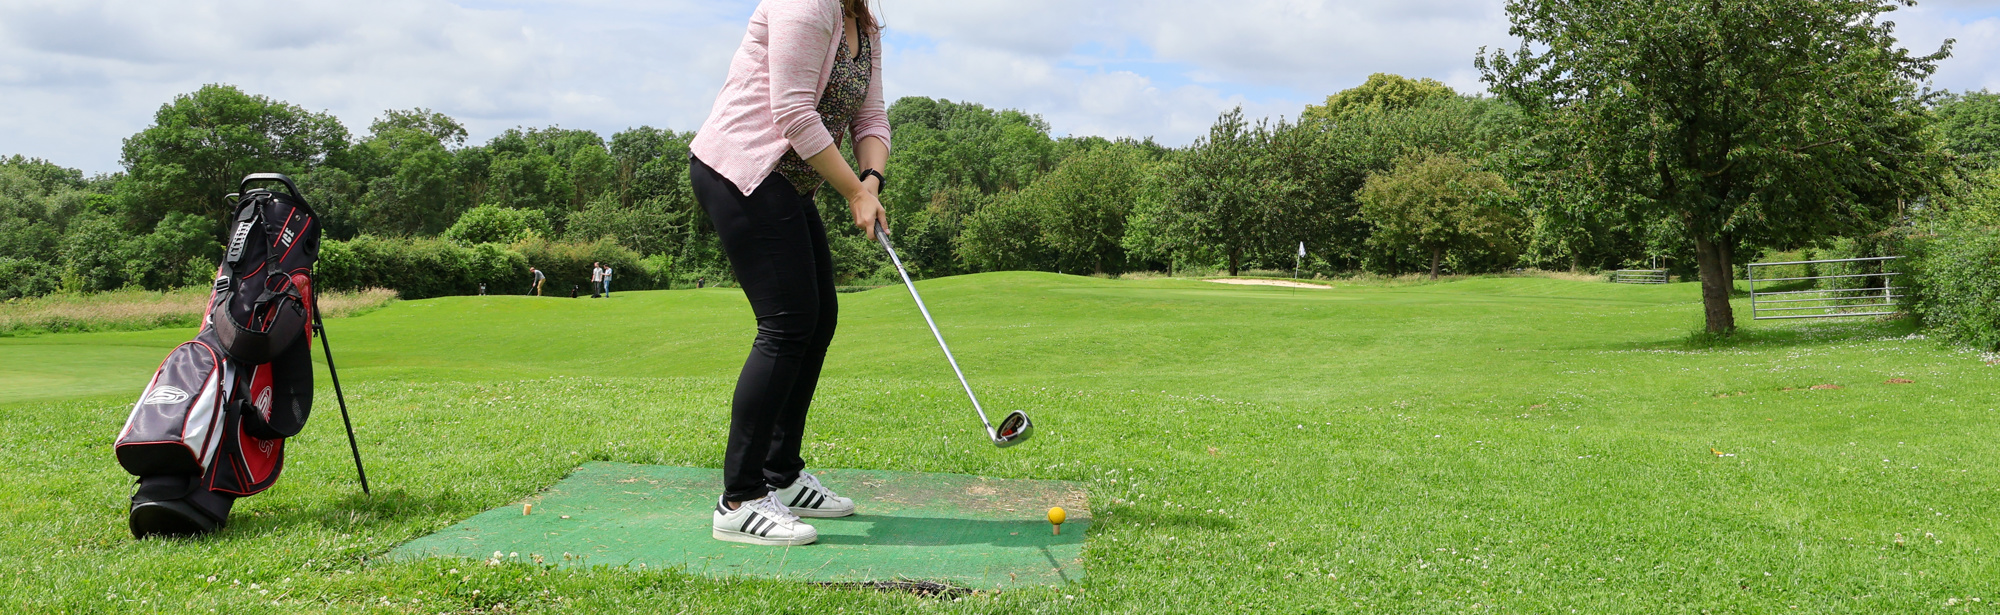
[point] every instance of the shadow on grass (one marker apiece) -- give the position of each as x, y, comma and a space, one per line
1785, 336
1149, 517
348, 513
893, 530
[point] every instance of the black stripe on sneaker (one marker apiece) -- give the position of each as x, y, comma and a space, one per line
801, 496
746, 523
766, 531
818, 499
755, 525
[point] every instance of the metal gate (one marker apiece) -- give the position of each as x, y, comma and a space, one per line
1639, 276
1828, 302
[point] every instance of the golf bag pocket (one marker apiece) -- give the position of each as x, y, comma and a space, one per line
279, 394
246, 464
178, 422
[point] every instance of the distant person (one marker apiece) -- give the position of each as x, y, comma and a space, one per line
482, 289
607, 281
596, 279
535, 280
808, 73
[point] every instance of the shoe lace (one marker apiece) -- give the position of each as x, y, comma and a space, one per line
769, 507
813, 484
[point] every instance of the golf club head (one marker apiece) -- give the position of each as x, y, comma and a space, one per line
1013, 430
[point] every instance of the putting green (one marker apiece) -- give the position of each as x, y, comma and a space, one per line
965, 530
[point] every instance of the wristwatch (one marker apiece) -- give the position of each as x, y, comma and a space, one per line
882, 183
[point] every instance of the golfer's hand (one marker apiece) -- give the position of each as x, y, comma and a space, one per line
867, 212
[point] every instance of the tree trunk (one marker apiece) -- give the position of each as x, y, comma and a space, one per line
1716, 283
1436, 255
1235, 260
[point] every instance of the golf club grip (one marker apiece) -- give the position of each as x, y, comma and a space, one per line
882, 235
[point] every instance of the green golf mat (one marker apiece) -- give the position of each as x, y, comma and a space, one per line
980, 533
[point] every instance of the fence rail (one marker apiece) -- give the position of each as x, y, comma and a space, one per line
1869, 299
1639, 276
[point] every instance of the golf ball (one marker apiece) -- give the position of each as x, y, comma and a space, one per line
1056, 515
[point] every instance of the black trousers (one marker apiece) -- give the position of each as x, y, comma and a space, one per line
776, 243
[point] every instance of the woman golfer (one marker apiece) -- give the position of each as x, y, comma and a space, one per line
809, 72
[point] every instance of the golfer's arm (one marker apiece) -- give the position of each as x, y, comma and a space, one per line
873, 154
834, 169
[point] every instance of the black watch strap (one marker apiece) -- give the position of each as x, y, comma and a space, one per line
883, 182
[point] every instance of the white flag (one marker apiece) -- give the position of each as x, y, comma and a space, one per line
1302, 249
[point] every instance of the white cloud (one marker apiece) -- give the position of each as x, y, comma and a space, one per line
602, 66
1975, 24
81, 75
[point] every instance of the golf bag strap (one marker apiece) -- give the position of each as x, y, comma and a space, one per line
272, 257
246, 215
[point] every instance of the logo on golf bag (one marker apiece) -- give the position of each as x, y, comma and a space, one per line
263, 402
165, 395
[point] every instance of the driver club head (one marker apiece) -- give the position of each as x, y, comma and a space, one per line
1013, 430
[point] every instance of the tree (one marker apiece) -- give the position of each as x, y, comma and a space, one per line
202, 144
950, 160
414, 187
1971, 125
490, 224
651, 163
1370, 139
448, 132
37, 202
1747, 123
1081, 207
179, 252
93, 254
654, 226
1382, 92
1215, 196
556, 170
1438, 203
1004, 236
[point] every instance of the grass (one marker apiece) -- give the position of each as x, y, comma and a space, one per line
138, 310
1497, 444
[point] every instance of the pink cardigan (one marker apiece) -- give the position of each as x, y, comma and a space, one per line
771, 101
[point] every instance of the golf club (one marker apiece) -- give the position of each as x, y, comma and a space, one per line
1016, 427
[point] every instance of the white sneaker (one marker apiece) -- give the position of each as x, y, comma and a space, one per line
808, 498
762, 521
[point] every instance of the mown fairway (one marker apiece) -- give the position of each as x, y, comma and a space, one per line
1512, 445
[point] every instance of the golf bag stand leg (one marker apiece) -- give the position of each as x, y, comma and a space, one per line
319, 327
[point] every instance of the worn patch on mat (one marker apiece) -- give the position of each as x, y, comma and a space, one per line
979, 533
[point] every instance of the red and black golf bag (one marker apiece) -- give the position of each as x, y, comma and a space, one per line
212, 424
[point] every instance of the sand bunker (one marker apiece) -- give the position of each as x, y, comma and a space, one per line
1259, 282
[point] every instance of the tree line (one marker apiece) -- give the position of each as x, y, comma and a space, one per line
1697, 141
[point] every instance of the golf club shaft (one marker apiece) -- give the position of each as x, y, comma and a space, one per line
882, 234
319, 326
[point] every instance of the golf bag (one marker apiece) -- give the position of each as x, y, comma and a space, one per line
211, 425
259, 304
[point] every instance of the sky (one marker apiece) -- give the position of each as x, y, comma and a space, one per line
80, 76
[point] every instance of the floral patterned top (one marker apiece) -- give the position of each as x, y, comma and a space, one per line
846, 89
